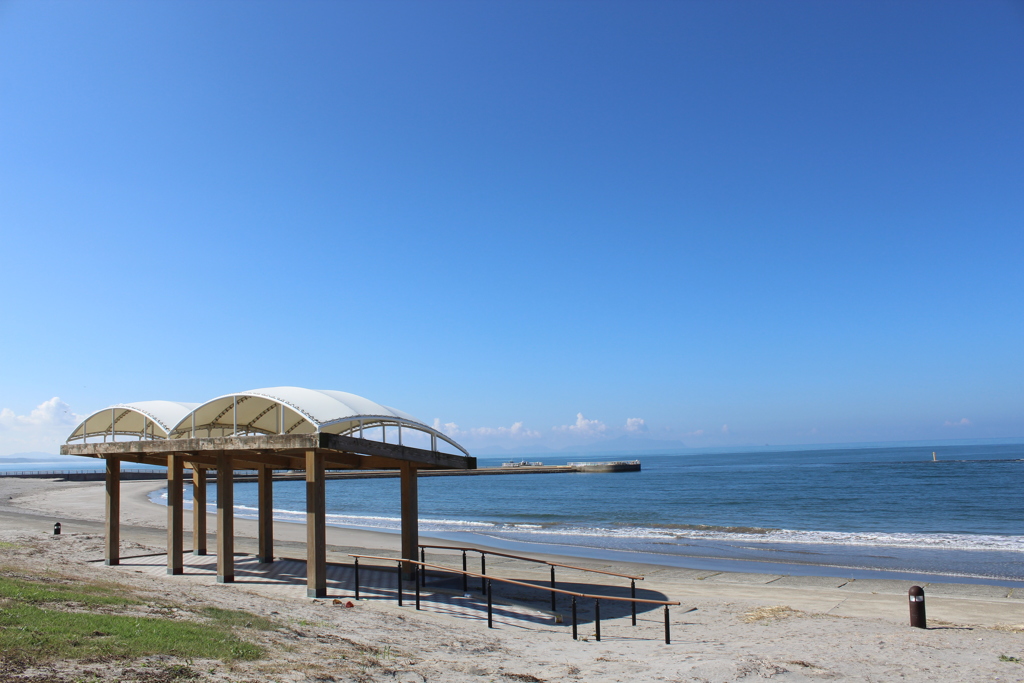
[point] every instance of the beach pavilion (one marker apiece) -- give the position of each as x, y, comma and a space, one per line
280, 428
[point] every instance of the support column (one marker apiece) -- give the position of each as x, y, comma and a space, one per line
410, 517
175, 527
198, 510
316, 527
113, 549
266, 514
225, 518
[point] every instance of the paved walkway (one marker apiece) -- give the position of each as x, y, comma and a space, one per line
286, 578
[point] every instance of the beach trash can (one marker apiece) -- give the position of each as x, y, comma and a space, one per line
917, 616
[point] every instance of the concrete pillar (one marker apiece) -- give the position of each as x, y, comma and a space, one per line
316, 527
198, 510
175, 528
266, 514
410, 517
225, 518
113, 545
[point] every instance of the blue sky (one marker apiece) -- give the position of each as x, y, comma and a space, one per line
733, 223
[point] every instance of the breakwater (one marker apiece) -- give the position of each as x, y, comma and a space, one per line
298, 475
632, 466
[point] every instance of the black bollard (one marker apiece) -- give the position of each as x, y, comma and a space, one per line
423, 571
56, 528
490, 606
553, 594
917, 618
574, 617
632, 594
465, 583
356, 572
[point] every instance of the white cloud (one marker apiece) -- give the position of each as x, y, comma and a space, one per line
696, 432
43, 429
449, 428
516, 431
583, 427
635, 424
963, 422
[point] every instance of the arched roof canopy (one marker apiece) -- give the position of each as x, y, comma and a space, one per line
295, 410
137, 421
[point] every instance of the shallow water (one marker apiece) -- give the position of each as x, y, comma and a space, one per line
825, 511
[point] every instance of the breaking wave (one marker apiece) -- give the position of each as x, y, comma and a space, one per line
679, 533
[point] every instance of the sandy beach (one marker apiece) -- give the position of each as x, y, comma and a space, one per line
746, 626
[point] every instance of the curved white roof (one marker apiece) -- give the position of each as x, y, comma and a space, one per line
274, 410
324, 406
142, 419
295, 410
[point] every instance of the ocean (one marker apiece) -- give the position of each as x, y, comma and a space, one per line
844, 512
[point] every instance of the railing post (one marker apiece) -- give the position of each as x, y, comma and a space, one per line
465, 579
553, 594
398, 576
416, 571
423, 571
668, 639
357, 577
597, 620
490, 606
483, 571
632, 594
574, 617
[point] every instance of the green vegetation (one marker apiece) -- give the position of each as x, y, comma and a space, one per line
40, 589
1005, 658
31, 633
237, 618
38, 622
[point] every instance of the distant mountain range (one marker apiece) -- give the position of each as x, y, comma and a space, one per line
37, 456
623, 445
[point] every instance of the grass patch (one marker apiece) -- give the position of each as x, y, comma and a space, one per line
38, 589
771, 614
229, 618
1006, 658
28, 632
42, 618
7, 545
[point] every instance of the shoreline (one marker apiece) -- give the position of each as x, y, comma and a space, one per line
693, 560
144, 523
741, 630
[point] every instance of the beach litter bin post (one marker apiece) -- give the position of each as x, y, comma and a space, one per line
917, 615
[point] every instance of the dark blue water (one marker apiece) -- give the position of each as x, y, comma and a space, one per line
891, 510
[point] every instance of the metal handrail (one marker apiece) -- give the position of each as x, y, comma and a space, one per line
533, 559
419, 566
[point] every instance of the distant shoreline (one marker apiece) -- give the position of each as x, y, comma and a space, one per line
673, 449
